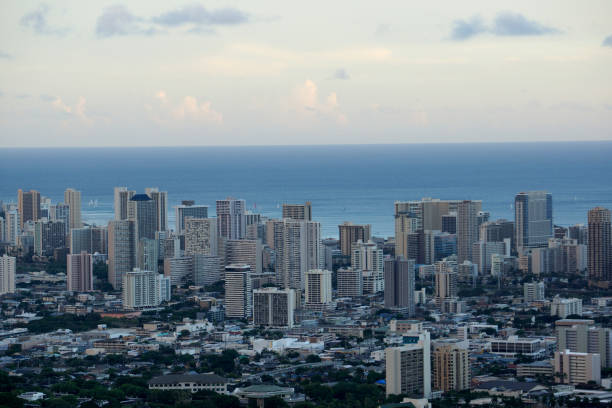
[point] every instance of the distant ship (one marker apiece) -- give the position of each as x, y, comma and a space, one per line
93, 203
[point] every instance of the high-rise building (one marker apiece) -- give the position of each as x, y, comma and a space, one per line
273, 307
206, 269
140, 289
187, 209
49, 235
72, 198
482, 252
329, 247
350, 282
399, 284
533, 291
467, 228
148, 254
562, 308
89, 239
201, 236
179, 270
577, 368
238, 291
580, 335
408, 368
298, 211
450, 365
12, 228
578, 232
60, 213
445, 282
79, 272
141, 210
533, 222
28, 206
368, 258
318, 289
231, 219
244, 251
161, 207
122, 251
122, 198
7, 274
599, 245
297, 246
351, 234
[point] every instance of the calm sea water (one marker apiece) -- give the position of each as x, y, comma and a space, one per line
356, 183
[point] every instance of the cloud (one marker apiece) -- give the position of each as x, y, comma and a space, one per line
199, 16
382, 29
306, 101
515, 24
607, 42
464, 29
4, 55
189, 108
118, 20
340, 74
37, 20
505, 24
77, 111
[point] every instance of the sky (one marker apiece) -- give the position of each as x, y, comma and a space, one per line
158, 73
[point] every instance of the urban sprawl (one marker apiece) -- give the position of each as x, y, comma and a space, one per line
240, 309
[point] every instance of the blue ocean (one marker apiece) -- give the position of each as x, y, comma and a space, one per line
356, 183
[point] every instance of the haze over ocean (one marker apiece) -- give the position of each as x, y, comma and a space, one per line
356, 183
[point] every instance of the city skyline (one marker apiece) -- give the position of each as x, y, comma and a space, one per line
229, 73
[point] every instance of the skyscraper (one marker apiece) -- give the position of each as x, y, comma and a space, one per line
148, 254
350, 282
141, 210
533, 220
122, 198
599, 245
72, 198
122, 251
231, 218
187, 209
161, 207
28, 206
7, 274
399, 284
318, 289
350, 234
206, 269
408, 368
273, 307
298, 211
48, 236
445, 281
244, 251
201, 236
89, 239
238, 291
13, 228
79, 275
467, 228
368, 258
140, 289
450, 365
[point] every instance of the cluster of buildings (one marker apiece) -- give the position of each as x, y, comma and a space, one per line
279, 273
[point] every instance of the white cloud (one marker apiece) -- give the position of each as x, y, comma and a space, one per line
307, 104
76, 111
188, 108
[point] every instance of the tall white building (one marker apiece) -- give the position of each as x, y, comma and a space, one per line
273, 307
244, 251
318, 289
231, 218
565, 307
533, 291
577, 368
366, 257
79, 272
533, 219
238, 291
7, 274
72, 198
140, 289
188, 210
408, 368
297, 246
12, 227
122, 251
201, 236
206, 269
